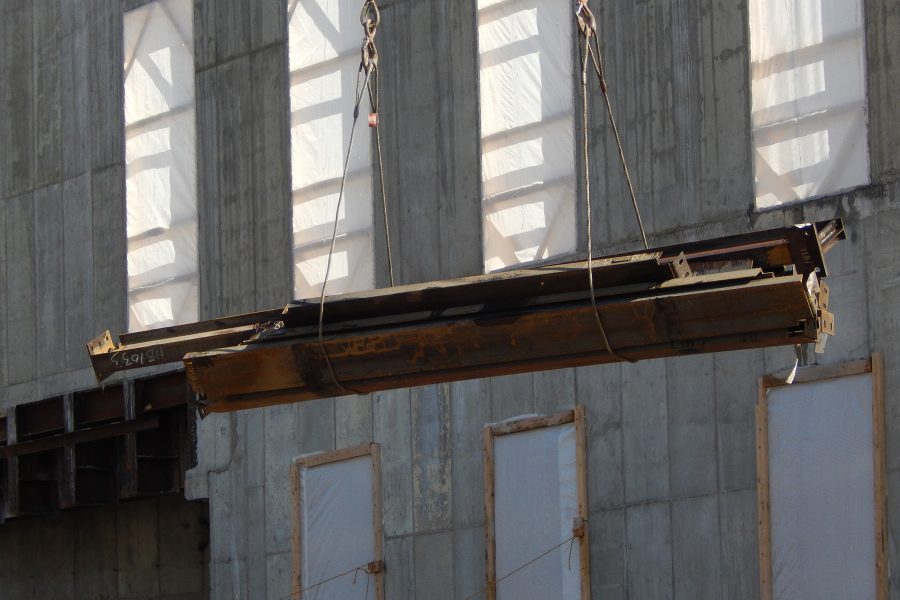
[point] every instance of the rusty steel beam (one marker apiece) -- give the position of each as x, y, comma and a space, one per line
689, 316
745, 291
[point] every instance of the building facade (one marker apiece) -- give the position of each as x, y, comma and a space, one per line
475, 180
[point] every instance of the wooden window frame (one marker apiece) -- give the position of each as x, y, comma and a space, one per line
874, 366
494, 430
376, 568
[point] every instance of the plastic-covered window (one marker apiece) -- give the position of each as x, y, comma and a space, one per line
338, 545
160, 169
821, 487
536, 503
324, 52
527, 130
810, 135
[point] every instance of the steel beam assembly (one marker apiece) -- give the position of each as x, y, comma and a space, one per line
740, 292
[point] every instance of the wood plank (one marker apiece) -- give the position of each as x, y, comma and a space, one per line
326, 458
821, 373
489, 520
762, 490
882, 566
296, 521
532, 423
584, 542
378, 519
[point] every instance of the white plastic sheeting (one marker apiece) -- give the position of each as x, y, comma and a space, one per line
822, 489
160, 165
535, 506
527, 130
324, 53
809, 98
337, 528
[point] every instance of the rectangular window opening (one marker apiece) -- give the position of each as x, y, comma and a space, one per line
527, 131
338, 548
324, 45
536, 508
808, 83
160, 165
821, 472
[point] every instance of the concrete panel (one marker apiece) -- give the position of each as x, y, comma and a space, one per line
431, 151
511, 395
608, 554
48, 548
78, 267
96, 554
227, 518
740, 553
470, 410
352, 420
204, 37
21, 315
695, 530
600, 391
883, 276
645, 431
268, 23
47, 117
110, 299
208, 143
256, 521
17, 150
882, 38
725, 118
554, 391
849, 304
649, 542
432, 490
468, 561
138, 549
399, 565
4, 347
281, 446
460, 148
75, 86
315, 425
392, 429
736, 391
691, 394
49, 272
232, 18
107, 92
278, 576
183, 540
271, 167
227, 206
434, 566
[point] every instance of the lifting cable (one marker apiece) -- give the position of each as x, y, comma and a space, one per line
587, 25
369, 18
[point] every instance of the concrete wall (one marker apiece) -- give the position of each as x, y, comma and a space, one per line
671, 442
148, 549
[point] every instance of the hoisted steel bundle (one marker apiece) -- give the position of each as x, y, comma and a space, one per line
746, 291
